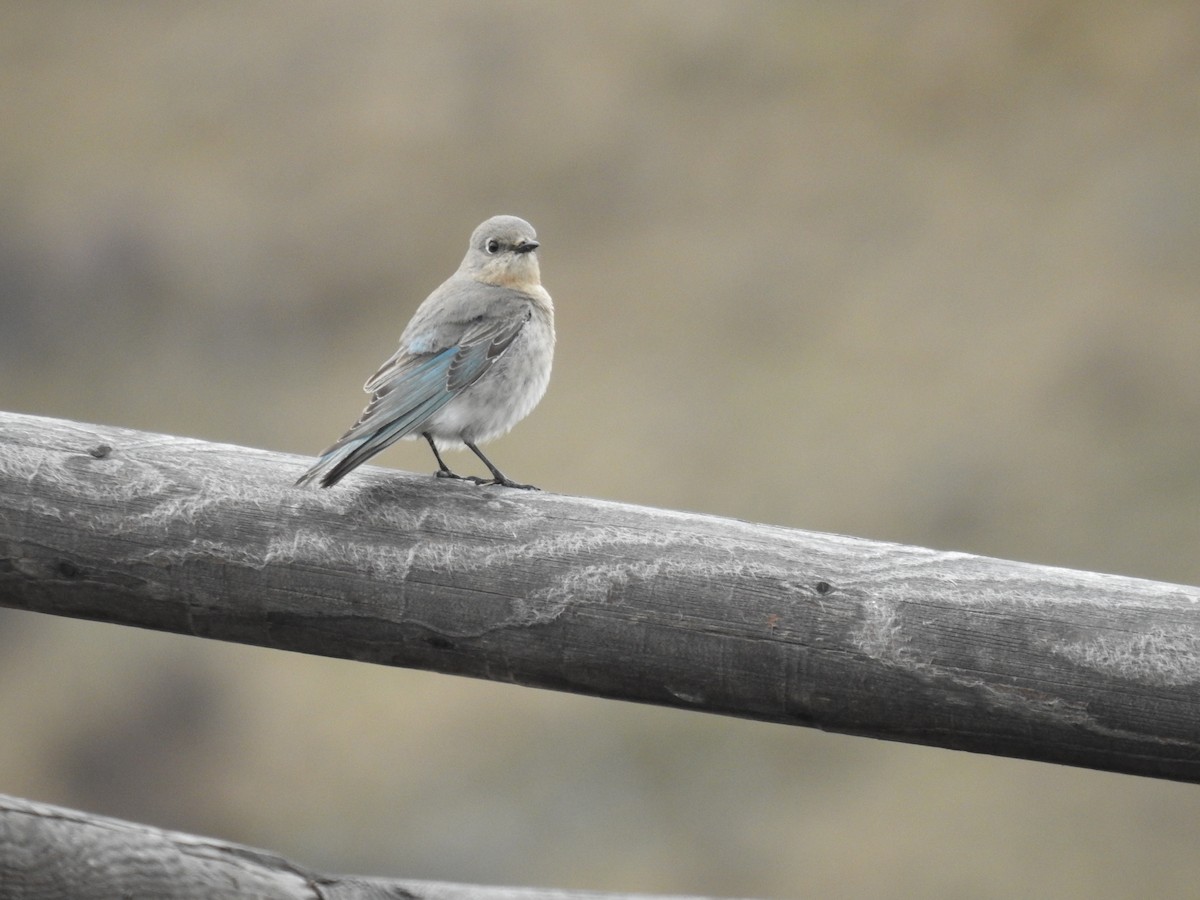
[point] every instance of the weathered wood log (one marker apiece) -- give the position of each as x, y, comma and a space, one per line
51, 853
618, 601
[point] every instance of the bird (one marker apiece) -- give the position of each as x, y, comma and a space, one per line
473, 361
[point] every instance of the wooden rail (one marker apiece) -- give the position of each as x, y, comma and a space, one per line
51, 853
619, 601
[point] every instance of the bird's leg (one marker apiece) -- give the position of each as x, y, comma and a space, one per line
498, 477
443, 469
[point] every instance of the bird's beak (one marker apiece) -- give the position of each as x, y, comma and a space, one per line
527, 246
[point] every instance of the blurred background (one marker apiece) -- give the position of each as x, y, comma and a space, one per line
920, 271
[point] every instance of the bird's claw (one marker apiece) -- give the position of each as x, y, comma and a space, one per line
474, 479
504, 482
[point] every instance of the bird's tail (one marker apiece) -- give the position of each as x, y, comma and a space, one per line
346, 455
356, 447
391, 415
335, 463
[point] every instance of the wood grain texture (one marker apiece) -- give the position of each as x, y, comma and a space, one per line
619, 601
51, 853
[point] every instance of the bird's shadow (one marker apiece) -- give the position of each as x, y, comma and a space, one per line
415, 488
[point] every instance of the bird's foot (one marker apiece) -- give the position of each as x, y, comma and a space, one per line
506, 482
474, 479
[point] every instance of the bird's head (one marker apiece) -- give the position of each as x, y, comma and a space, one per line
503, 251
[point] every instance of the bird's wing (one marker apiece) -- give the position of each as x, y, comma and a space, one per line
460, 313
439, 356
409, 388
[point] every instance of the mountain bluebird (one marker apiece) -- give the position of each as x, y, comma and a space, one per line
474, 360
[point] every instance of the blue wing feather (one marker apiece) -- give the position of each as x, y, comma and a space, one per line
409, 389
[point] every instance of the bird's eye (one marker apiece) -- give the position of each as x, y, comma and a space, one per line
493, 245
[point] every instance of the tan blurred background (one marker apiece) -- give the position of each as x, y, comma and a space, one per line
926, 272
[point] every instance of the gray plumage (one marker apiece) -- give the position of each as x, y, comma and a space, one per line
474, 360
